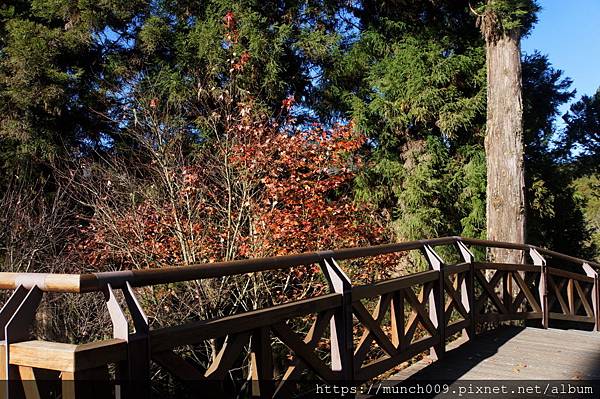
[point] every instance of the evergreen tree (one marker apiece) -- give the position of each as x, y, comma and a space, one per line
555, 213
581, 139
414, 82
191, 56
580, 144
56, 77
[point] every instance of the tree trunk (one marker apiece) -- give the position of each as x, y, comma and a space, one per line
504, 145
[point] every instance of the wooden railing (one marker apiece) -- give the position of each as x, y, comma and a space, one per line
411, 315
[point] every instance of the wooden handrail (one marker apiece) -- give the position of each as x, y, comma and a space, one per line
525, 247
93, 282
441, 302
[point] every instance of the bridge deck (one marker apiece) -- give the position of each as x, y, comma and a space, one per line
514, 353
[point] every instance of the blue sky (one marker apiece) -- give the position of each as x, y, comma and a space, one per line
568, 31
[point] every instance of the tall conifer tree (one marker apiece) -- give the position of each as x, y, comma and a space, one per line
503, 23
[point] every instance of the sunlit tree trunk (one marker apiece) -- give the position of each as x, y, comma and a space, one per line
504, 139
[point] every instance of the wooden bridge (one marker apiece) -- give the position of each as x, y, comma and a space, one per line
359, 332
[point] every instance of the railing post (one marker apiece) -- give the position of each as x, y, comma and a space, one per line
539, 260
135, 373
16, 318
342, 339
467, 290
261, 375
590, 272
437, 301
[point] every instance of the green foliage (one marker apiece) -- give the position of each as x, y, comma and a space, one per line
555, 213
53, 80
582, 135
416, 86
510, 15
541, 80
265, 52
70, 73
414, 82
587, 189
410, 75
580, 147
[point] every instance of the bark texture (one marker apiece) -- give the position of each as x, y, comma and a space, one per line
504, 144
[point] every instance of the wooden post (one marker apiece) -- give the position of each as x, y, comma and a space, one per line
437, 300
397, 320
342, 338
570, 297
90, 383
539, 260
590, 272
507, 291
135, 372
261, 360
17, 317
467, 290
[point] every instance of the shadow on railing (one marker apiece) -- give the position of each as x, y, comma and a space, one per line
412, 314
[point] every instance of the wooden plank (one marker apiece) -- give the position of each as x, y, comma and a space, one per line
568, 317
418, 313
54, 282
177, 366
312, 338
80, 384
436, 300
558, 293
230, 351
3, 365
570, 275
495, 317
456, 300
171, 337
397, 319
570, 297
484, 296
302, 350
455, 327
261, 363
467, 293
506, 267
375, 330
68, 385
67, 357
396, 284
583, 297
456, 269
507, 291
488, 288
380, 366
364, 344
527, 293
99, 353
58, 356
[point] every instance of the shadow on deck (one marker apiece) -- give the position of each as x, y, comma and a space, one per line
514, 353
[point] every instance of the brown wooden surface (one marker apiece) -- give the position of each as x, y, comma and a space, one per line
564, 273
29, 383
170, 337
506, 266
514, 353
424, 310
67, 357
80, 384
137, 278
395, 284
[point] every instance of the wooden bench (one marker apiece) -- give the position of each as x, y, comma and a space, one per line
75, 365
